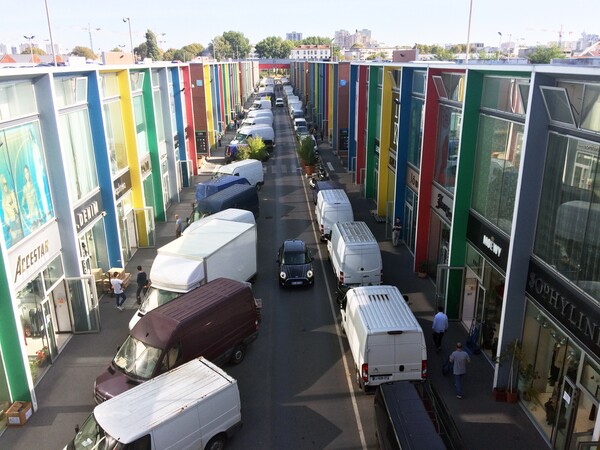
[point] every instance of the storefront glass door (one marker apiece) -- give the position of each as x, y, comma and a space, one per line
566, 414
84, 303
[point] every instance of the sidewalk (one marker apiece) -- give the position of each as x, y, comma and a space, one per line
482, 422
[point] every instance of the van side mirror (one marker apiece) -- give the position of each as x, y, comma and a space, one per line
76, 428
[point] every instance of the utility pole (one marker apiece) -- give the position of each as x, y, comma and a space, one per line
30, 38
90, 33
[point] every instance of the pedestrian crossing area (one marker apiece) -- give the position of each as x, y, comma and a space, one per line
287, 167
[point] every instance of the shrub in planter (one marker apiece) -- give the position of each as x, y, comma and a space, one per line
256, 149
307, 155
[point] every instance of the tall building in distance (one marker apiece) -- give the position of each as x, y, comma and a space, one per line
293, 36
344, 40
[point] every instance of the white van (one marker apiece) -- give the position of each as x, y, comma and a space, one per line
260, 112
299, 122
258, 120
354, 254
384, 336
333, 206
250, 169
230, 214
261, 104
196, 405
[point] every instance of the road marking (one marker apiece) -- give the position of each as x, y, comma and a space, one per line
349, 376
330, 167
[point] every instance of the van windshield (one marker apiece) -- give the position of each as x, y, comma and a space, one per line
137, 358
240, 137
156, 297
91, 436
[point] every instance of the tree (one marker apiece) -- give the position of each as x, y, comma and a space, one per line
543, 55
36, 51
441, 54
238, 45
194, 49
219, 48
315, 40
152, 49
273, 47
85, 52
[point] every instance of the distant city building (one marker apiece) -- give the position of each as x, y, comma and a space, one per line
344, 40
311, 52
293, 36
341, 39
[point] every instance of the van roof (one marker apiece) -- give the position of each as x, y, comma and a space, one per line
156, 327
245, 162
383, 309
206, 238
334, 196
228, 192
221, 180
355, 232
131, 414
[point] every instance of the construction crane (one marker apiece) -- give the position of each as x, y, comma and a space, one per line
561, 32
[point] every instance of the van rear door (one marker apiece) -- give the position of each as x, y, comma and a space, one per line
362, 268
394, 356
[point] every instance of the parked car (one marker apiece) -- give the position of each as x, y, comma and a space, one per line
279, 101
295, 264
302, 132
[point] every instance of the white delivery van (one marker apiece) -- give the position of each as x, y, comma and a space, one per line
299, 122
260, 112
293, 98
384, 336
250, 169
213, 249
333, 206
258, 120
354, 254
194, 406
261, 104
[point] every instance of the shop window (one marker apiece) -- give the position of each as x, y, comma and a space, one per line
568, 234
109, 85
415, 132
419, 78
137, 81
496, 172
448, 139
78, 152
140, 126
17, 100
26, 201
70, 91
558, 105
158, 111
505, 94
115, 136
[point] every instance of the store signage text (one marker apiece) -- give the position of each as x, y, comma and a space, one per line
491, 245
441, 202
121, 185
26, 260
412, 179
572, 312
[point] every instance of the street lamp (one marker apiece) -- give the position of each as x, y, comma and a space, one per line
89, 29
29, 38
128, 20
499, 45
50, 33
469, 32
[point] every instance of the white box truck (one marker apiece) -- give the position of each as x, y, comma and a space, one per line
355, 255
216, 248
333, 206
384, 336
194, 406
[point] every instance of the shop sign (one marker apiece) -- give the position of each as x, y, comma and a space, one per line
145, 166
565, 304
441, 203
88, 212
122, 185
31, 255
488, 241
412, 178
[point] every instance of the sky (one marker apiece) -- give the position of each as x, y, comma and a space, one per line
392, 22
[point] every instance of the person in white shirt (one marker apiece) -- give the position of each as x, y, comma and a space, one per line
439, 327
117, 285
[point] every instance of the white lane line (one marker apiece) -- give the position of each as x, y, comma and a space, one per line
330, 167
349, 375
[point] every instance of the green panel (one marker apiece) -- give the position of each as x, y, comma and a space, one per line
10, 343
464, 184
153, 147
372, 133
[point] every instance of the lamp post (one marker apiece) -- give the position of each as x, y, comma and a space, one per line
128, 20
499, 45
89, 29
29, 38
50, 33
469, 32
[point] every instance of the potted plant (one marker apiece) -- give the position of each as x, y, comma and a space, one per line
307, 155
520, 373
422, 269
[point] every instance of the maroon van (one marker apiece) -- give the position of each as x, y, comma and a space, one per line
217, 320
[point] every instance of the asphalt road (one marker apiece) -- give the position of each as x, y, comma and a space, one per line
295, 386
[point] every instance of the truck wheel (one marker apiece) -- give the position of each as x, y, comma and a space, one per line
216, 443
238, 354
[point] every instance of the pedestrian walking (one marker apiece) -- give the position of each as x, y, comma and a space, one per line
459, 359
178, 225
117, 285
396, 230
142, 284
439, 327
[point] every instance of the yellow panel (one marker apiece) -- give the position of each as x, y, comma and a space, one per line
208, 101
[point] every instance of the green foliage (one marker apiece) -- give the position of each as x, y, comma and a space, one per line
87, 53
306, 151
444, 55
273, 47
543, 55
194, 49
238, 45
256, 149
36, 51
315, 40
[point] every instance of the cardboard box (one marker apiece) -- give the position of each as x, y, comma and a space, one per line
19, 413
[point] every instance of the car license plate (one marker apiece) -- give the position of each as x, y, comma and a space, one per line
380, 377
296, 283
